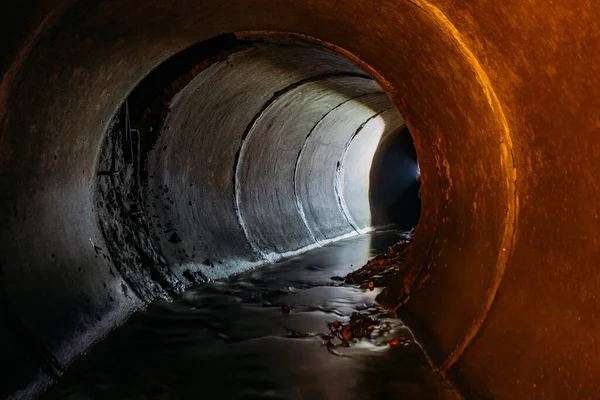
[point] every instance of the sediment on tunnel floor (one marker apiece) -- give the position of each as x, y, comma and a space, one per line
286, 330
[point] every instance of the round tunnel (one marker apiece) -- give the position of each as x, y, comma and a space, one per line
103, 211
262, 151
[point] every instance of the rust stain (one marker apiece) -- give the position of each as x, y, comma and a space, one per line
507, 157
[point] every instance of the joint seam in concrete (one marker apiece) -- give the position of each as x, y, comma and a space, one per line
299, 157
237, 166
341, 169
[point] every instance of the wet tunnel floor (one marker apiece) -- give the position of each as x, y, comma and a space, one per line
230, 340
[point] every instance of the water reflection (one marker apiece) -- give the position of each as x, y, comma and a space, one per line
230, 340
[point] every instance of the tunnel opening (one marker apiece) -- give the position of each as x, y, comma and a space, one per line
395, 165
235, 153
462, 98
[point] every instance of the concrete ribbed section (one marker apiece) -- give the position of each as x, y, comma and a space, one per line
355, 171
267, 197
318, 198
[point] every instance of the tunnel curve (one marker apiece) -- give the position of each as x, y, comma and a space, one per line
315, 157
248, 203
481, 287
252, 199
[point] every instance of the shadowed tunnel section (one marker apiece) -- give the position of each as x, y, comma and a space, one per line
395, 166
98, 216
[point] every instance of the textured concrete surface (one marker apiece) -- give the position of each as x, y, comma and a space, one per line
195, 165
319, 199
355, 175
501, 98
268, 201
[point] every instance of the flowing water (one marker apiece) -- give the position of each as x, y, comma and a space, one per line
231, 340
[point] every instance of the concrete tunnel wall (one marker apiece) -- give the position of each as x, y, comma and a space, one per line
501, 98
236, 165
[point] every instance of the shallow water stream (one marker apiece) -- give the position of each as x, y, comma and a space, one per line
231, 340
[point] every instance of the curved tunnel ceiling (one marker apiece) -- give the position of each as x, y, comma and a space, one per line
502, 291
248, 155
